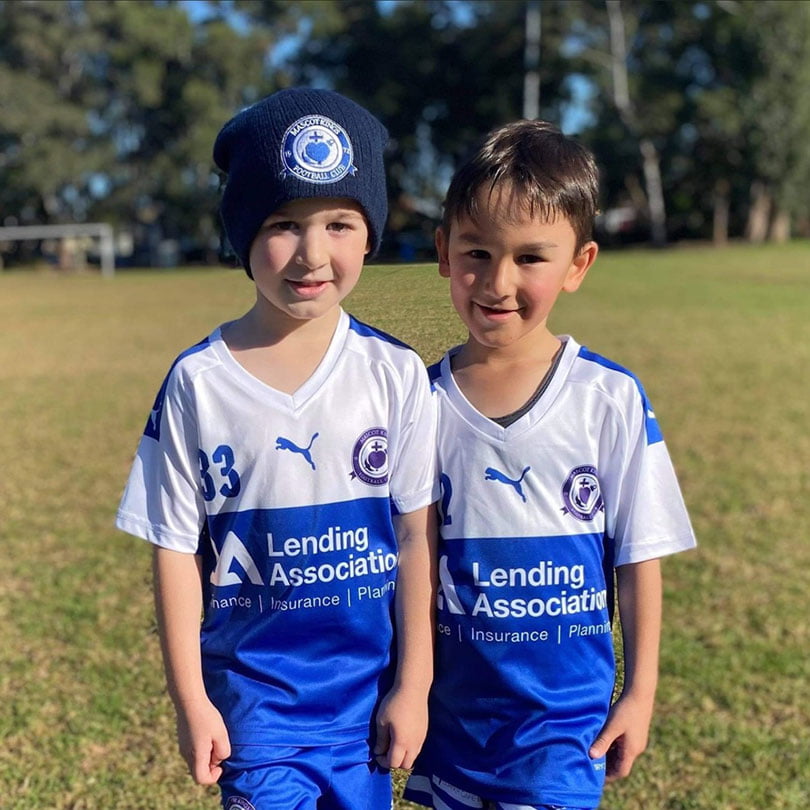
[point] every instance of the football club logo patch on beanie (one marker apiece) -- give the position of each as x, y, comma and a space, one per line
238, 803
316, 149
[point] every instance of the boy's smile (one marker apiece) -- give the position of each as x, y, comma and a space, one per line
496, 314
506, 268
307, 289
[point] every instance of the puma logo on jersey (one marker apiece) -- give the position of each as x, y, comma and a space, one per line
491, 474
286, 444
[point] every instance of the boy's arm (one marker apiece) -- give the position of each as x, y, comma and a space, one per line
402, 716
624, 735
201, 732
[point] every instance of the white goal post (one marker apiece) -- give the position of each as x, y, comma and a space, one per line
100, 230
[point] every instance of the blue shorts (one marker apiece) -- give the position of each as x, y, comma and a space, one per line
435, 792
331, 777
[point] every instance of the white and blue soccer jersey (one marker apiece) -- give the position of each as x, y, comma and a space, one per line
289, 501
534, 518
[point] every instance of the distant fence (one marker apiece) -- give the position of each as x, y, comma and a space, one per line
100, 230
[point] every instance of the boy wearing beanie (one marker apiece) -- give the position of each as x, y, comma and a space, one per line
283, 481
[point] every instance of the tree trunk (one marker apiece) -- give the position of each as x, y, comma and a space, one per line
531, 62
721, 206
655, 192
636, 192
780, 227
651, 161
759, 214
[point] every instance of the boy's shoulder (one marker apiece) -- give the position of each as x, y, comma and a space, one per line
376, 345
198, 357
365, 330
620, 385
180, 377
591, 367
588, 363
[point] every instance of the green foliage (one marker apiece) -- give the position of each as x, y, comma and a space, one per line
439, 74
45, 137
113, 109
720, 339
778, 108
110, 108
721, 90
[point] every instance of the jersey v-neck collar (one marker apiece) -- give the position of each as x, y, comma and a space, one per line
306, 390
483, 424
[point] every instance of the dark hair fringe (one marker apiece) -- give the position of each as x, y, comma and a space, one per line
543, 172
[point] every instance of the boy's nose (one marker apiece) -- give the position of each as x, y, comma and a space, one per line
311, 251
499, 279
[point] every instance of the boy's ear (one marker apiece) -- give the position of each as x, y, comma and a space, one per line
580, 265
441, 250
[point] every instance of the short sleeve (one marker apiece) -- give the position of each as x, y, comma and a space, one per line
413, 481
646, 513
162, 501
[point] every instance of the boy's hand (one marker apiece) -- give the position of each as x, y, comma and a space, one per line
203, 741
624, 736
401, 728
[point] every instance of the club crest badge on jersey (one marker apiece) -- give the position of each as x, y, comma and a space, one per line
370, 457
582, 494
317, 150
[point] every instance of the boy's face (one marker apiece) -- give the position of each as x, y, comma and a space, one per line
506, 272
308, 255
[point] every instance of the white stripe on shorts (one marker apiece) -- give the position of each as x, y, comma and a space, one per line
445, 796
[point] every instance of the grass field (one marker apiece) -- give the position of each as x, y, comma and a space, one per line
721, 340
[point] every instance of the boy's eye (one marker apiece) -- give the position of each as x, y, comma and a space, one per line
476, 253
339, 226
282, 225
530, 258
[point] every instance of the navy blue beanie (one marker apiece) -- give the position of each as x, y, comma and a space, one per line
299, 143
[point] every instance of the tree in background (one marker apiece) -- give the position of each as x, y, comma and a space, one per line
46, 137
110, 111
719, 92
698, 111
739, 160
439, 74
632, 51
168, 85
777, 116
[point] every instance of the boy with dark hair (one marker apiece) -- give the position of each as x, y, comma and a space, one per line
283, 482
555, 479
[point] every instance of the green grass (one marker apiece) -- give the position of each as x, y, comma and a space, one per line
721, 340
